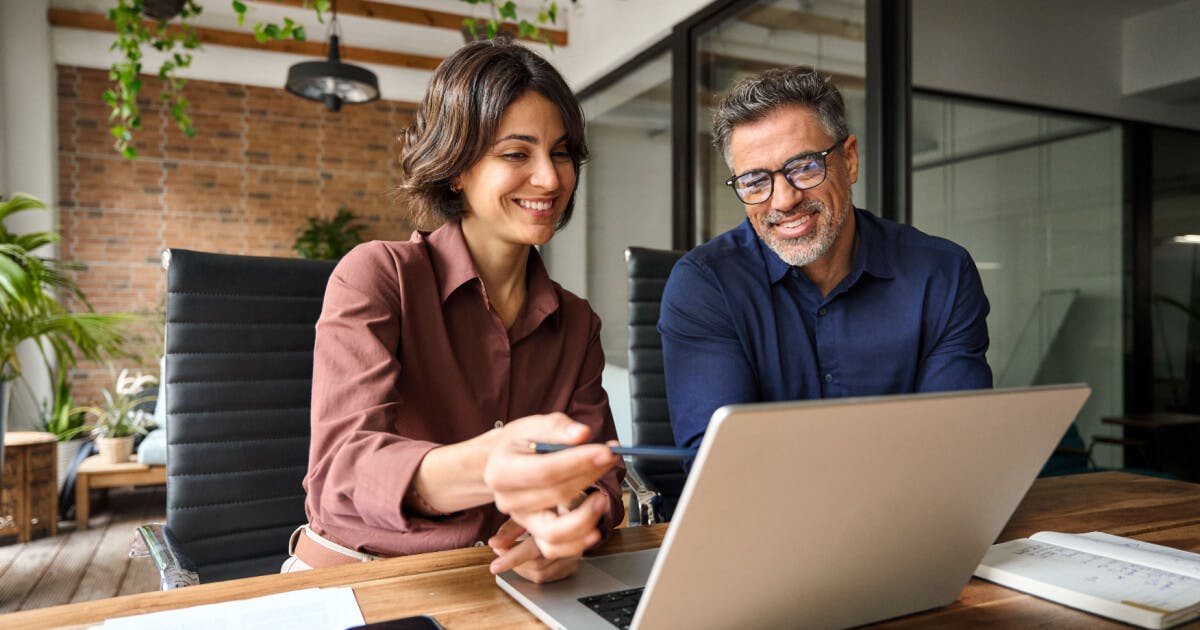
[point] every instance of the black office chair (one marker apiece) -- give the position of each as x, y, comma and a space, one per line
656, 485
238, 381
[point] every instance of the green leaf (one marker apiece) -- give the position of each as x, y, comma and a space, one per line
525, 29
240, 9
553, 13
493, 29
508, 10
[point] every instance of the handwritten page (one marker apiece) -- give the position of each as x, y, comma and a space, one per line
1127, 549
308, 609
1107, 578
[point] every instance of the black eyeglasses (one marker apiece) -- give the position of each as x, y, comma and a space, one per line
804, 171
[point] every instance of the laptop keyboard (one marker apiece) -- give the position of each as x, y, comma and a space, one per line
616, 607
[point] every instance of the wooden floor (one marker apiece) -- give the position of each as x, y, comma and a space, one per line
78, 566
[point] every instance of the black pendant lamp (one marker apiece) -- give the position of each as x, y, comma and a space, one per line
333, 82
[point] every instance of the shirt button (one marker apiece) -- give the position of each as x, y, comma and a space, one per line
828, 378
821, 312
499, 423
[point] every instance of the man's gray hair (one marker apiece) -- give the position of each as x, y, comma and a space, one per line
756, 96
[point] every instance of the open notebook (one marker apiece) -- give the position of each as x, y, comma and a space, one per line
826, 513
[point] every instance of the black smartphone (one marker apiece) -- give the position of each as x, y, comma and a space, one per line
421, 622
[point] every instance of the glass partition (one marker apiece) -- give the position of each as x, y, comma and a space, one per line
1175, 305
826, 34
624, 196
1037, 200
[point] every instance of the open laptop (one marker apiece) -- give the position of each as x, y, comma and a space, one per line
826, 513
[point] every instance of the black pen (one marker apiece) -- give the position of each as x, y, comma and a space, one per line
648, 452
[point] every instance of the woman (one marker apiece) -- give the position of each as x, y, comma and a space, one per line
435, 358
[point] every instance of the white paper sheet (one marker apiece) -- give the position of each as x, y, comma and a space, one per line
308, 609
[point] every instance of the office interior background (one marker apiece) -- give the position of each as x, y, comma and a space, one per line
1058, 142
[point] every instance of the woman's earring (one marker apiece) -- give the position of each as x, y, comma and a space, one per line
455, 188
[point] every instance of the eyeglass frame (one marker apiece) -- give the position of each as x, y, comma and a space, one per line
820, 155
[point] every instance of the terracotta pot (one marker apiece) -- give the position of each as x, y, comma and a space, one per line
115, 450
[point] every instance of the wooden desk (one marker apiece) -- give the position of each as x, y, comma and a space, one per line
1163, 441
456, 588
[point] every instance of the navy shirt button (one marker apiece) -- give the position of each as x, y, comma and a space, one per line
821, 312
828, 378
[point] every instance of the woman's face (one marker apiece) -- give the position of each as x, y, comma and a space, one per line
518, 190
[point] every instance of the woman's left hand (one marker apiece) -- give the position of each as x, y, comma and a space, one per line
523, 556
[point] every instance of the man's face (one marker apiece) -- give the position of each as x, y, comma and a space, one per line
799, 225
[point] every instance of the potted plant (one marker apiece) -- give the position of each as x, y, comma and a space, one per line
30, 309
121, 417
60, 417
330, 239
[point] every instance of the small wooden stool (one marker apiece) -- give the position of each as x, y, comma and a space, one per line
93, 473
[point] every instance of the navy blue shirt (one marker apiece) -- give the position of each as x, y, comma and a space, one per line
741, 325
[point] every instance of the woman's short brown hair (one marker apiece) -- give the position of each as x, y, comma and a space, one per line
456, 122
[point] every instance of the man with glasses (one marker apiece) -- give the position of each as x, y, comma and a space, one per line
811, 297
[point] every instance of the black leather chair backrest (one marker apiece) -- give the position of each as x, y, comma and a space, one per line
648, 270
238, 381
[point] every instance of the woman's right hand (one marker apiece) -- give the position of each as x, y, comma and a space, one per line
531, 487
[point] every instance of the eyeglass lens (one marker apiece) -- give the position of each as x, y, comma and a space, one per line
803, 172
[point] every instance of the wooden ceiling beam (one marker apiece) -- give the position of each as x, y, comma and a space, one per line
219, 37
786, 19
420, 17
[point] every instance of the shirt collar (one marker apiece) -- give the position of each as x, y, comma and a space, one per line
874, 254
454, 268
871, 255
451, 259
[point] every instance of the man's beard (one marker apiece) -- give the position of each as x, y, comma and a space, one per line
799, 252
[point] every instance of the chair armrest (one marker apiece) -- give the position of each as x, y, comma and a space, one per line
645, 501
175, 568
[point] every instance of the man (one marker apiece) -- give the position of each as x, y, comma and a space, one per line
811, 297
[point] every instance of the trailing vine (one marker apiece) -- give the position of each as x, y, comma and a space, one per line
507, 10
129, 18
137, 25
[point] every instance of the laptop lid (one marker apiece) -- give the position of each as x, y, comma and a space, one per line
838, 512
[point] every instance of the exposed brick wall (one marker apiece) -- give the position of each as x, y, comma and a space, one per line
262, 161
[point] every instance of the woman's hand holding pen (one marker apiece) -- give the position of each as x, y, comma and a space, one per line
543, 495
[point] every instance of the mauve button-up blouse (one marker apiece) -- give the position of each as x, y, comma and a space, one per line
409, 355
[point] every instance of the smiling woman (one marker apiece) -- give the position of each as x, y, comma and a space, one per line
439, 360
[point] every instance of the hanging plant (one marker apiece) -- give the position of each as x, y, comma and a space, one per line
145, 22
166, 26
507, 10
265, 31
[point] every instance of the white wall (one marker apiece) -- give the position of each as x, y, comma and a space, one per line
607, 33
28, 151
1066, 54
